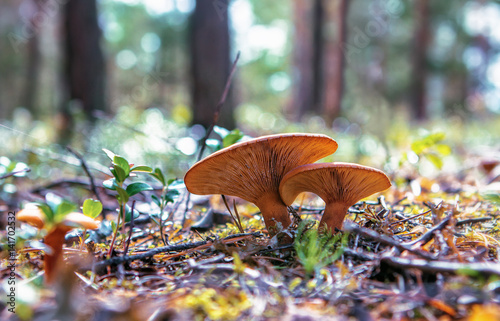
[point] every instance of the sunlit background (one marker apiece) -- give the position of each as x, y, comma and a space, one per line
149, 109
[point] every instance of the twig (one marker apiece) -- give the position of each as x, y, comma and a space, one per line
386, 240
15, 173
218, 108
131, 228
443, 266
179, 247
473, 220
427, 236
93, 187
409, 218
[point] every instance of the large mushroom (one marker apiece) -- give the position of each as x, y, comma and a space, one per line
55, 235
340, 185
252, 170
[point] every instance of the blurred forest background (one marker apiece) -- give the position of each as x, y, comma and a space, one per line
134, 76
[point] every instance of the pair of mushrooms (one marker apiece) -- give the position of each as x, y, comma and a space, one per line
271, 171
56, 232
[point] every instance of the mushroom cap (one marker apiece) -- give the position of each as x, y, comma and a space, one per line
32, 215
76, 220
334, 182
254, 168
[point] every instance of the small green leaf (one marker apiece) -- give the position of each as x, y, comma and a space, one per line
110, 184
92, 207
141, 168
109, 153
113, 226
127, 213
231, 138
47, 211
492, 197
435, 159
64, 208
119, 173
156, 200
158, 174
122, 163
122, 195
443, 149
170, 195
135, 188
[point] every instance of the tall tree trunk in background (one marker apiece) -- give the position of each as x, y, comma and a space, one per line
307, 35
334, 31
210, 62
421, 42
84, 60
33, 66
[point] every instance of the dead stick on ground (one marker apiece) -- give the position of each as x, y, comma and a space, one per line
218, 108
172, 248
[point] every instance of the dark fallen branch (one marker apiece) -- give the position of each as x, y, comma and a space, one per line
164, 249
484, 269
474, 220
427, 236
384, 239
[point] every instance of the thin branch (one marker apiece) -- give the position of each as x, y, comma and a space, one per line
131, 228
386, 240
15, 173
93, 187
172, 248
218, 108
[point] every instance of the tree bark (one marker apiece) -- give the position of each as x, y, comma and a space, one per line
85, 66
307, 32
334, 30
421, 42
210, 62
33, 66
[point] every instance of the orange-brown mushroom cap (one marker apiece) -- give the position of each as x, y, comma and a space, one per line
340, 185
32, 215
79, 220
252, 170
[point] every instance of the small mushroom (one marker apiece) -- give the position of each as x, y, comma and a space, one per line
56, 233
340, 185
252, 170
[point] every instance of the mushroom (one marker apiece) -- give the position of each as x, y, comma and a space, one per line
340, 185
252, 170
56, 233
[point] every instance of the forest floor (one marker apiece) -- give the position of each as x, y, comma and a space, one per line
426, 249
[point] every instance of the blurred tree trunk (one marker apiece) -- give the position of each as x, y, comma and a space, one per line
33, 66
306, 67
334, 30
210, 62
84, 73
318, 58
419, 75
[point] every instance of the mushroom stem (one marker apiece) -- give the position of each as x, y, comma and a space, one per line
333, 216
55, 239
274, 211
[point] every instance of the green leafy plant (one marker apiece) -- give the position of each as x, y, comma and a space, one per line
430, 147
168, 194
315, 250
121, 170
228, 138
